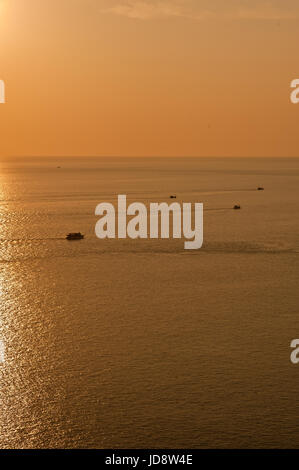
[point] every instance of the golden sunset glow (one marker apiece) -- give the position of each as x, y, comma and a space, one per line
156, 77
149, 199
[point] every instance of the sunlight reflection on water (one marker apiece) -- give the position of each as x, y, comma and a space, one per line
137, 343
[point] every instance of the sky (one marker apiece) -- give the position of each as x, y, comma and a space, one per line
149, 77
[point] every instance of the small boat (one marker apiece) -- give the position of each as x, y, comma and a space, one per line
173, 196
75, 236
260, 188
236, 207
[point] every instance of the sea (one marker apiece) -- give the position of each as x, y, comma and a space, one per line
122, 343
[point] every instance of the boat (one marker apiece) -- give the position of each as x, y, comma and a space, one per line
75, 236
236, 207
260, 188
173, 196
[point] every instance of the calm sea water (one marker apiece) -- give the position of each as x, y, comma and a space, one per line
143, 344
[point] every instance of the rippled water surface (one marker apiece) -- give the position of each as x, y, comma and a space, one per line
140, 343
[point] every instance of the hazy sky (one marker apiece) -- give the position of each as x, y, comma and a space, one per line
149, 77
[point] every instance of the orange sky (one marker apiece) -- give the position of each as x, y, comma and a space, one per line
149, 77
